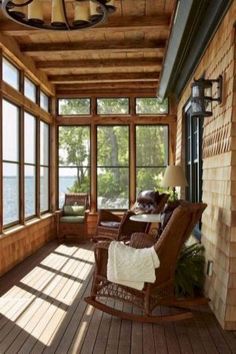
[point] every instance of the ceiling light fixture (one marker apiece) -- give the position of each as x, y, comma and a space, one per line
60, 15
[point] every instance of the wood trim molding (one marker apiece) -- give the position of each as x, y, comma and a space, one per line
11, 49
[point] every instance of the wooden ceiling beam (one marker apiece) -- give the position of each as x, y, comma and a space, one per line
93, 46
119, 23
151, 92
108, 86
106, 63
113, 77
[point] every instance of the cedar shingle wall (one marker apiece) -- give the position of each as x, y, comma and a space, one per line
219, 171
17, 246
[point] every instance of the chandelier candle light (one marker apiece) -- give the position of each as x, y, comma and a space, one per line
61, 15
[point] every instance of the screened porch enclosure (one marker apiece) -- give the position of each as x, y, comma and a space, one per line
102, 113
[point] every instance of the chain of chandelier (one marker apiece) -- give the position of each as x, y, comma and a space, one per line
59, 15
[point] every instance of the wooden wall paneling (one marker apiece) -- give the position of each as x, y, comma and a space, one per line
1, 171
218, 235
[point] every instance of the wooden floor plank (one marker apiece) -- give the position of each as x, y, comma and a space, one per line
148, 338
20, 331
39, 321
114, 333
137, 335
125, 333
43, 311
24, 298
216, 334
103, 331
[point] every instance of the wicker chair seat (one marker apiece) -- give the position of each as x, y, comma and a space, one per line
72, 219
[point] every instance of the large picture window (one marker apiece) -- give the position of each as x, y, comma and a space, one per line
151, 156
30, 164
74, 160
113, 167
10, 129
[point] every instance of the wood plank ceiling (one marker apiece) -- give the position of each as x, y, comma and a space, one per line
122, 55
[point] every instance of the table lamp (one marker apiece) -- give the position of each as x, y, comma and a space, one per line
174, 177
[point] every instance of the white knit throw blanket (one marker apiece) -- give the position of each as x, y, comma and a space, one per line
130, 266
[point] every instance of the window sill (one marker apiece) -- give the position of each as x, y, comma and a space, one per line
18, 228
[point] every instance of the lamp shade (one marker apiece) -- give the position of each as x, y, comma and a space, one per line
174, 177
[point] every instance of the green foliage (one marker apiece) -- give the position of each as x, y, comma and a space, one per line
113, 150
153, 105
72, 106
189, 275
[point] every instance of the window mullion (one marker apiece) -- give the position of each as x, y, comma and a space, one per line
37, 167
22, 138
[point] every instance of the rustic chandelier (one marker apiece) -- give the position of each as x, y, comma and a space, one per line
61, 15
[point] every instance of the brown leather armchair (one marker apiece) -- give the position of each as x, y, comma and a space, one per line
113, 227
71, 220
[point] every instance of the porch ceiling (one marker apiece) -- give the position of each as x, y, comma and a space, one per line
124, 53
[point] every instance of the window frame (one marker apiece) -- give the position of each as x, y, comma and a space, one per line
106, 166
168, 148
30, 164
19, 73
26, 78
41, 212
192, 162
112, 114
18, 163
58, 165
74, 114
150, 114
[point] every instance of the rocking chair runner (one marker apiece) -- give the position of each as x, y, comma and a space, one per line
161, 292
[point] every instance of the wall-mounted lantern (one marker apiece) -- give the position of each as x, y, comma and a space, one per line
201, 98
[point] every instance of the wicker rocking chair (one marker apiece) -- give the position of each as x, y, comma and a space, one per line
161, 293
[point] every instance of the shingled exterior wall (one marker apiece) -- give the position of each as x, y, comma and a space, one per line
219, 171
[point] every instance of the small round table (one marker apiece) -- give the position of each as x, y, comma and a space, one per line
152, 218
148, 218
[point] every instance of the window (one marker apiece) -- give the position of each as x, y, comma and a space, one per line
44, 167
113, 167
30, 164
151, 156
30, 89
74, 106
193, 157
10, 74
44, 101
74, 160
194, 127
151, 105
107, 106
10, 127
